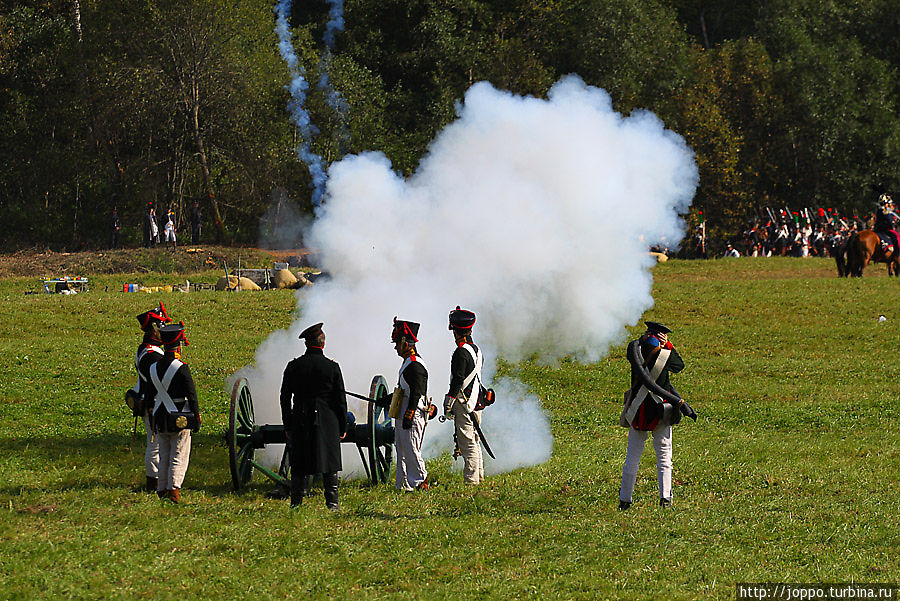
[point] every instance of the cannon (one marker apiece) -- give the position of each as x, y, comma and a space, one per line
374, 439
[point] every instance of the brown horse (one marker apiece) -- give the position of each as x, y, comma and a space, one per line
865, 246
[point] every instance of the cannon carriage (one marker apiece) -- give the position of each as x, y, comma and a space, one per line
374, 439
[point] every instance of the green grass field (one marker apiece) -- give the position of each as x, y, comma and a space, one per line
791, 474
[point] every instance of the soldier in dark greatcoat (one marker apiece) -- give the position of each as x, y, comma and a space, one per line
314, 414
149, 352
651, 405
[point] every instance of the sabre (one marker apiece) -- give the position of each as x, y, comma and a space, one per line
484, 441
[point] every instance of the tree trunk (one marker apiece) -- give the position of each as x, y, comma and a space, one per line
76, 8
207, 180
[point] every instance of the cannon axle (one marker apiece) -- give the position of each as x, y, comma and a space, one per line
374, 439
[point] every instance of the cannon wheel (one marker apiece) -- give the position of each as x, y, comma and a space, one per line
239, 436
379, 460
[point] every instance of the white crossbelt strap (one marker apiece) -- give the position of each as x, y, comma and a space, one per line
642, 392
137, 363
475, 375
162, 386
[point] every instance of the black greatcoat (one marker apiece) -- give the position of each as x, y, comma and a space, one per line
317, 417
649, 414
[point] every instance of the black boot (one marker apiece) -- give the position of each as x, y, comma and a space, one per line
299, 489
665, 503
624, 505
330, 485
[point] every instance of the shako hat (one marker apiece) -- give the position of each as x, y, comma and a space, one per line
173, 333
404, 329
460, 319
312, 331
157, 316
657, 328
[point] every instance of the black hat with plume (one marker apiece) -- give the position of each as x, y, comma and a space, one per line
408, 330
460, 319
153, 317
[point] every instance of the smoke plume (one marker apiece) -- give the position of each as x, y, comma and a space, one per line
298, 88
536, 214
333, 98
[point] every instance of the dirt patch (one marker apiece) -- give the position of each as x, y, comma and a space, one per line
187, 259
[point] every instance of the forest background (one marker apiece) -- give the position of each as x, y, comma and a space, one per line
119, 103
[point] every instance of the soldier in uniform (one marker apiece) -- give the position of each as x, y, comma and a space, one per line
460, 400
314, 414
148, 353
410, 417
176, 412
886, 220
651, 405
114, 227
169, 230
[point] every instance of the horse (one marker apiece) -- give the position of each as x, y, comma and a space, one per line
865, 246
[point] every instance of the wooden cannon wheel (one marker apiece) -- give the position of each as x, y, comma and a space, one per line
239, 436
379, 457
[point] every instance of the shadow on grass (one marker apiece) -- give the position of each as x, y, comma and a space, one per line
102, 460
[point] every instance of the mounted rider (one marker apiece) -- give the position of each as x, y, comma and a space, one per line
886, 220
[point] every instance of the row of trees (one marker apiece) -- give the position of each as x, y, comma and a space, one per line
116, 103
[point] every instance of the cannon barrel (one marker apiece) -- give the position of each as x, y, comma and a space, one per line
243, 437
361, 435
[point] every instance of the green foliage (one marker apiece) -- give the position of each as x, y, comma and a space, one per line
841, 101
787, 102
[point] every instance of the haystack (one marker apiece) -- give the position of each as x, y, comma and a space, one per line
233, 282
284, 278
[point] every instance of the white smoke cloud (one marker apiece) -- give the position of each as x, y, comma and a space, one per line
534, 213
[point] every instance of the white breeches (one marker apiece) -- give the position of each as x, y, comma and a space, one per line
174, 454
469, 447
410, 466
662, 442
151, 454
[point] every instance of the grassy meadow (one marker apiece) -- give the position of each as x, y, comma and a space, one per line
791, 473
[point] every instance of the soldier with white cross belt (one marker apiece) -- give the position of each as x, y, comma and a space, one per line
140, 398
176, 412
651, 405
462, 397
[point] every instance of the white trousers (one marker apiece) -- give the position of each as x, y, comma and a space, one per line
467, 441
174, 455
410, 466
662, 442
151, 453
